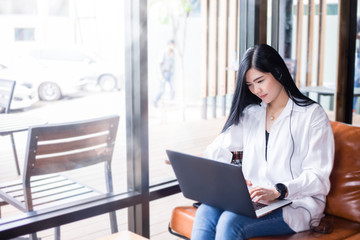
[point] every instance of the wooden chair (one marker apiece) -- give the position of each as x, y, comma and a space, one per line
6, 93
53, 149
7, 88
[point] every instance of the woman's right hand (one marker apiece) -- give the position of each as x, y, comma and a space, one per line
265, 194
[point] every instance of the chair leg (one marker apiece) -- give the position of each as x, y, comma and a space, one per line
15, 154
57, 233
113, 222
33, 236
176, 234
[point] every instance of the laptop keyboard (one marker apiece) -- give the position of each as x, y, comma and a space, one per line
258, 205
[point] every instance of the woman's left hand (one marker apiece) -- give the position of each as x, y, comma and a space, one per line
265, 194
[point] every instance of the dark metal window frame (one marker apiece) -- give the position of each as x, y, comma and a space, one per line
36, 221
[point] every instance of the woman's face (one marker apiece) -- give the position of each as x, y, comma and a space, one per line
263, 85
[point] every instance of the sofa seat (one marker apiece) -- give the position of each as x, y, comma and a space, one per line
183, 218
343, 202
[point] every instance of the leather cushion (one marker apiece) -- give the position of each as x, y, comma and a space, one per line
354, 237
344, 197
182, 220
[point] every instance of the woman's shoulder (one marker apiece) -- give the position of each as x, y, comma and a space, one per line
253, 114
252, 108
308, 108
315, 108
316, 114
250, 112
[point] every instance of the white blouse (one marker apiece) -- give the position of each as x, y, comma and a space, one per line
300, 154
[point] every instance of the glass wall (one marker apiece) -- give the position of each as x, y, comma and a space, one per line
67, 58
308, 41
175, 51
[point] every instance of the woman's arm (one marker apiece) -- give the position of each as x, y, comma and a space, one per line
318, 163
230, 140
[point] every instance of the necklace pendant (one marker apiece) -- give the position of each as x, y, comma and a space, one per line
272, 118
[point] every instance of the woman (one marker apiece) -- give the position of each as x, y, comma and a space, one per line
288, 151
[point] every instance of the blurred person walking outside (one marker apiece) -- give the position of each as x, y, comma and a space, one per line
167, 64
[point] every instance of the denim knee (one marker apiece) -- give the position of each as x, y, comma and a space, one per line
205, 222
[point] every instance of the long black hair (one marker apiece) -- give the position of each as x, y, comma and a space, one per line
267, 60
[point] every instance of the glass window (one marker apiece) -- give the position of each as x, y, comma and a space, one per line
176, 91
65, 70
308, 42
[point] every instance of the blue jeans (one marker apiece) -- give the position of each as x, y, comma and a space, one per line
214, 223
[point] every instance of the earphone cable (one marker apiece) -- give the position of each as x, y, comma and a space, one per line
292, 140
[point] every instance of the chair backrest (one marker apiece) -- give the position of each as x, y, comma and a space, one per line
344, 197
55, 148
6, 93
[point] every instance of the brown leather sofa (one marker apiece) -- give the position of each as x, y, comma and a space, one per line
342, 213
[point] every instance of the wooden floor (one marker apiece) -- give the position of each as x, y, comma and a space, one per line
190, 136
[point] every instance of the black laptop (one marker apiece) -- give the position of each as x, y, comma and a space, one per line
217, 184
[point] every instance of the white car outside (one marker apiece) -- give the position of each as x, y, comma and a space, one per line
79, 67
51, 73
